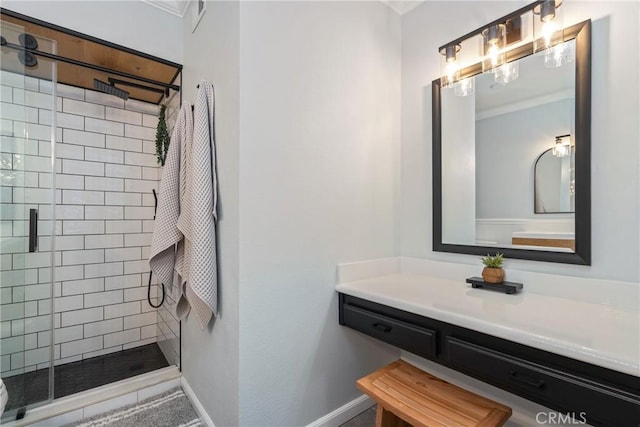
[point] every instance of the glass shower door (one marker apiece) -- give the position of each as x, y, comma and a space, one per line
27, 219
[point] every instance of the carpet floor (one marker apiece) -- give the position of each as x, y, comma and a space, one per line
169, 409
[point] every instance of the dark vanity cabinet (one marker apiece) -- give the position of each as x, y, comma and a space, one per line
601, 396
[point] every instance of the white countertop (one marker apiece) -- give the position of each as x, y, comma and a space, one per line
602, 335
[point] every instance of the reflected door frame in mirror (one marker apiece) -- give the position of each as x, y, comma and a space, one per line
582, 34
552, 191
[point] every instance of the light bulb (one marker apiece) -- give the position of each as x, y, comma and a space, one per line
493, 55
494, 41
548, 28
451, 69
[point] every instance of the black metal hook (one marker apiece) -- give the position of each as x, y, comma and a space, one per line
164, 292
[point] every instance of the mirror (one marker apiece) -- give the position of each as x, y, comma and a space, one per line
511, 162
554, 183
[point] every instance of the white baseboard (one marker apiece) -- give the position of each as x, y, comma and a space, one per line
196, 403
344, 413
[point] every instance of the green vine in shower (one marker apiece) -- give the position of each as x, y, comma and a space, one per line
162, 137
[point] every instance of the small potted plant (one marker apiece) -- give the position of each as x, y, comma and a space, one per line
493, 272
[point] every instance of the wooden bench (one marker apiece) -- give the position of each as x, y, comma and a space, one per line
407, 395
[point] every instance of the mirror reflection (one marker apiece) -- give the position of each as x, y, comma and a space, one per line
554, 187
503, 182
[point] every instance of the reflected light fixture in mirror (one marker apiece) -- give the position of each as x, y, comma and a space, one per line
557, 56
562, 146
508, 72
449, 69
463, 87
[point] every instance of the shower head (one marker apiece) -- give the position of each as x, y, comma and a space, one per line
28, 41
110, 89
27, 59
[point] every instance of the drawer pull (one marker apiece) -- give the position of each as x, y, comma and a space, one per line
382, 327
526, 380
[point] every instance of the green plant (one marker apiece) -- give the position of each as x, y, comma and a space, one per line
493, 261
162, 137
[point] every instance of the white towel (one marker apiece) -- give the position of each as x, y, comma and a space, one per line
163, 259
197, 220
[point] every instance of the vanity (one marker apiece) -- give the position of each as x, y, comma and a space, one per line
575, 357
511, 173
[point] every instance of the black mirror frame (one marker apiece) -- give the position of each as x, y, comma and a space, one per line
582, 34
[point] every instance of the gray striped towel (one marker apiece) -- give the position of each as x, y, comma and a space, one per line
166, 243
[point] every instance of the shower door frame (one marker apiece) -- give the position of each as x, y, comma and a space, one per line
94, 40
33, 236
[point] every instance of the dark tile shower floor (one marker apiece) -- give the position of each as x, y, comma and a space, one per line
75, 377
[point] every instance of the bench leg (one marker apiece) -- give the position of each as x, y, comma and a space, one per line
386, 418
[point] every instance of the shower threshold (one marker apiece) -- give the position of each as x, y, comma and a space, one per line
70, 378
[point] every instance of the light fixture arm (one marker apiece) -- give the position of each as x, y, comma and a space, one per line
499, 21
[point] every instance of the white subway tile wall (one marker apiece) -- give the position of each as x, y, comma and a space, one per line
104, 220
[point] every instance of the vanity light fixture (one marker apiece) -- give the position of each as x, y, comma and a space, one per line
494, 40
562, 146
548, 34
499, 40
449, 66
547, 25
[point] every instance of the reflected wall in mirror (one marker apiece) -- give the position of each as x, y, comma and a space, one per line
497, 184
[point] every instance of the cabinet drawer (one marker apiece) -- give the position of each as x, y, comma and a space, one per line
415, 339
600, 404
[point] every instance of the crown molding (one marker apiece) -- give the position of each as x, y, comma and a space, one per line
402, 6
174, 7
179, 7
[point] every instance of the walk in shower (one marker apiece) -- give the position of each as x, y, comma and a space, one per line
77, 171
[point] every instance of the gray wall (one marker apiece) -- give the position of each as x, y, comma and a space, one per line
319, 97
507, 147
319, 147
210, 358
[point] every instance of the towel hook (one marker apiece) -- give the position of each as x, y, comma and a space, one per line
164, 293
